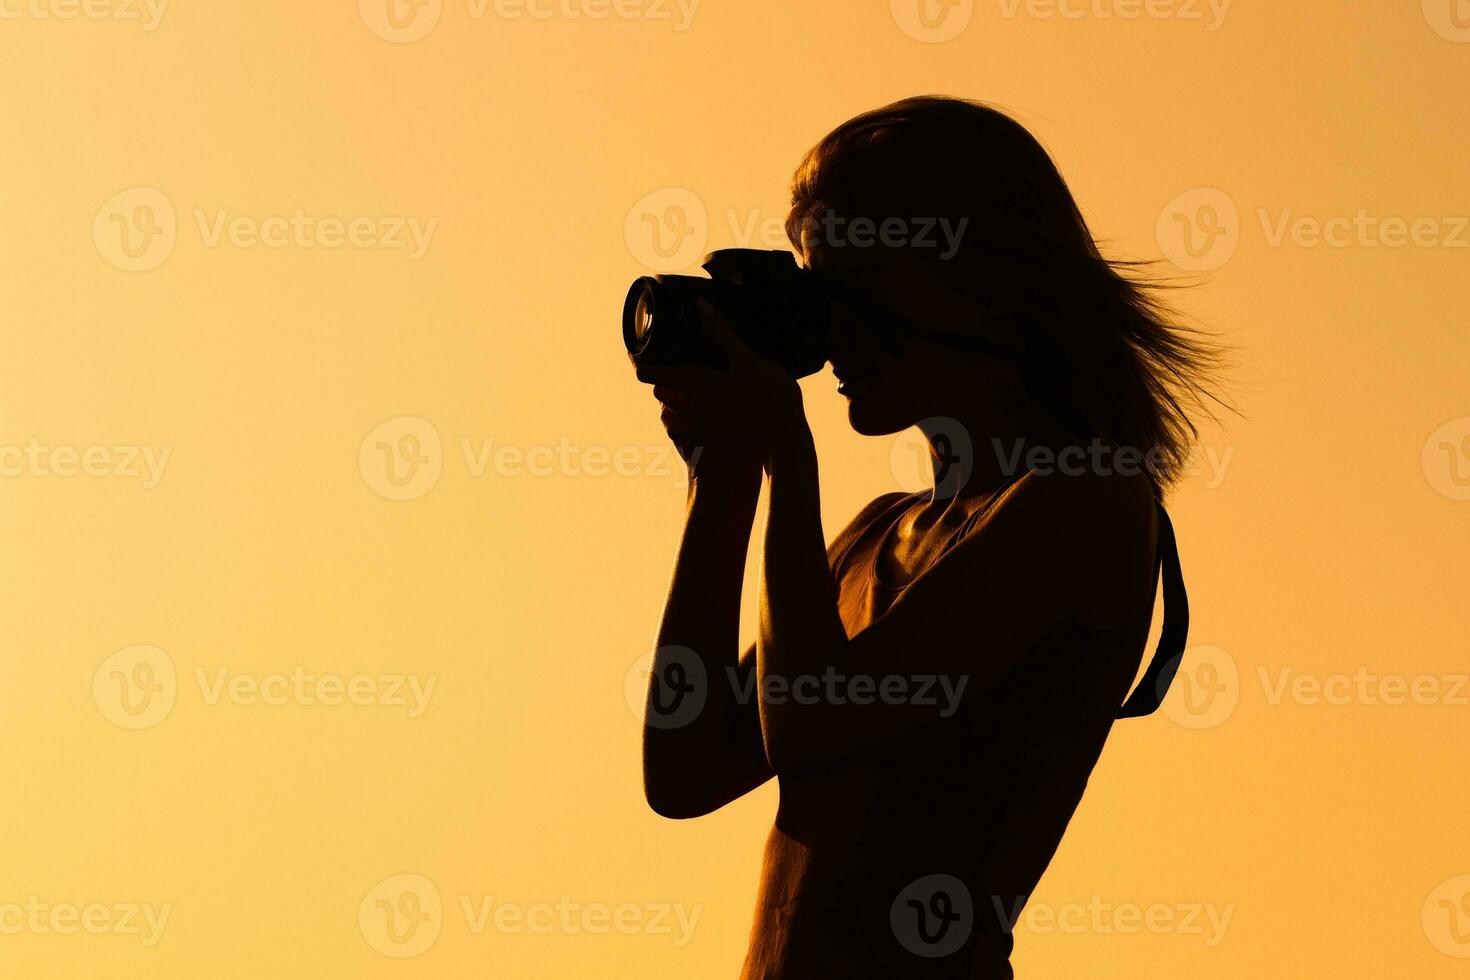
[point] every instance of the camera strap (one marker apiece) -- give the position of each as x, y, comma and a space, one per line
1149, 693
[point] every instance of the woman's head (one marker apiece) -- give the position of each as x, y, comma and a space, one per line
975, 286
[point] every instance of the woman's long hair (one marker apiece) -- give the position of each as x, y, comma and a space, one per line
1096, 345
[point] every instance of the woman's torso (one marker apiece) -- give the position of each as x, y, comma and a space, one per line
869, 858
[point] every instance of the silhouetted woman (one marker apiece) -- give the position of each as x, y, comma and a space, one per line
933, 689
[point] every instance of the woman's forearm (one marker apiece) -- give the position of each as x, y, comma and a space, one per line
702, 610
801, 633
683, 750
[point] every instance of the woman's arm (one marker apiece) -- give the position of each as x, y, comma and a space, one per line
800, 630
698, 757
1057, 546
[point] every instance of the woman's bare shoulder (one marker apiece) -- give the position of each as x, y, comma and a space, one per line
855, 527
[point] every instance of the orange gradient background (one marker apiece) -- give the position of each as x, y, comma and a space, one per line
1331, 543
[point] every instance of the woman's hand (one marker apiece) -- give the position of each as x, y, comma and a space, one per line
727, 418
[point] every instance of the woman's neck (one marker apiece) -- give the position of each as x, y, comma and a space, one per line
976, 456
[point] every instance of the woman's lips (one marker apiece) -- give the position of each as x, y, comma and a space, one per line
845, 382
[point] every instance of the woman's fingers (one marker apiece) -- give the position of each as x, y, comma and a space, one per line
680, 412
705, 405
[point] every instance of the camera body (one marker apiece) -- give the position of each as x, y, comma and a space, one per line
773, 305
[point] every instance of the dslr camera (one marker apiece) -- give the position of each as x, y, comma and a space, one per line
775, 306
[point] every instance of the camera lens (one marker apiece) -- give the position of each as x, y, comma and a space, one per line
643, 317
638, 315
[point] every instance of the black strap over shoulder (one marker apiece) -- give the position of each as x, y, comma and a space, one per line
1149, 693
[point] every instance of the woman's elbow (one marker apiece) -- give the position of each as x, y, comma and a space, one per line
669, 793
687, 792
674, 808
674, 803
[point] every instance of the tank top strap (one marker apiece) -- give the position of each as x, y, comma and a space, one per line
1150, 692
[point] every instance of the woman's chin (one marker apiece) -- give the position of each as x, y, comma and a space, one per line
870, 419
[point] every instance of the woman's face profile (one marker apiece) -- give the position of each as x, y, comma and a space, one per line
892, 377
